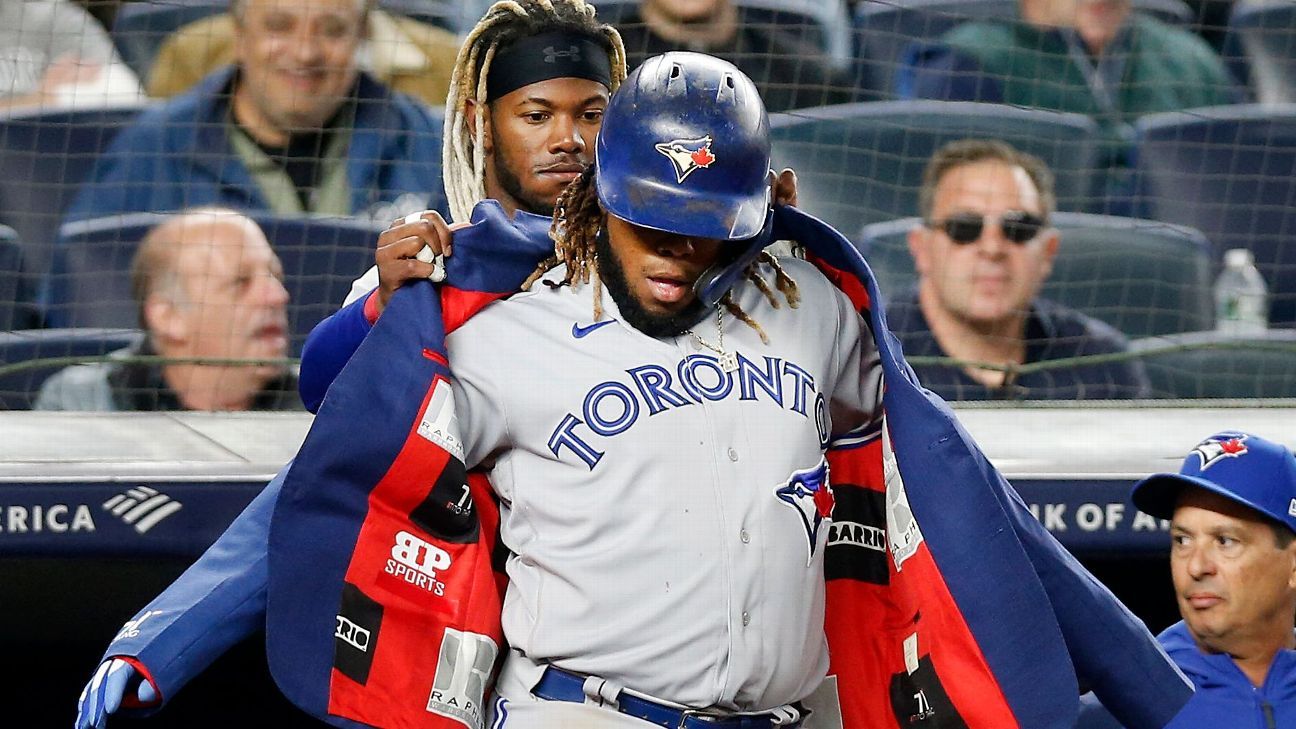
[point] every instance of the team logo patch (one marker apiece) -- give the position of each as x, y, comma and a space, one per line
808, 493
688, 155
1214, 450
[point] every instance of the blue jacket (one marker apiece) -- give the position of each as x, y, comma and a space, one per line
1225, 697
1007, 616
177, 155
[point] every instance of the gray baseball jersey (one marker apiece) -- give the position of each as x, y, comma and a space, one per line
656, 504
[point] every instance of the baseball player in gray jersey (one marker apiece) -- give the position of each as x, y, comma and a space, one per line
658, 454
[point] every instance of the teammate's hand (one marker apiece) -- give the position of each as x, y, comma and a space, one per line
104, 694
785, 187
410, 249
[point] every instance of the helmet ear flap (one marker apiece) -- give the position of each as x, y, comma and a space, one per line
714, 282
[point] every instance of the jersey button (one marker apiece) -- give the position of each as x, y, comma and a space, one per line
744, 536
733, 454
746, 618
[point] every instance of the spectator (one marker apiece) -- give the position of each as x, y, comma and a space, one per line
53, 53
790, 73
1093, 57
409, 56
1232, 508
208, 286
292, 127
982, 252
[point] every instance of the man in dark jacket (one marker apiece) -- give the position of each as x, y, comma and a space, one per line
982, 252
292, 127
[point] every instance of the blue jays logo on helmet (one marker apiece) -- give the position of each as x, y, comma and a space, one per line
1216, 448
808, 493
688, 155
674, 115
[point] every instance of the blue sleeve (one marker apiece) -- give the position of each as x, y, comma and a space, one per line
1121, 662
217, 602
327, 350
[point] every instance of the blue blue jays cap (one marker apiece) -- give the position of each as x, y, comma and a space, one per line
1242, 467
685, 148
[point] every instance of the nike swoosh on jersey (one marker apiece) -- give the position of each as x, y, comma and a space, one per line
580, 332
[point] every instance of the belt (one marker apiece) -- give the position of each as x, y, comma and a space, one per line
559, 685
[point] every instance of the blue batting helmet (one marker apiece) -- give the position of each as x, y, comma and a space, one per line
684, 148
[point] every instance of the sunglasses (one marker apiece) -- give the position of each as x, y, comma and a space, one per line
1018, 226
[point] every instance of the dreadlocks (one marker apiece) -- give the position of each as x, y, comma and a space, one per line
464, 156
577, 222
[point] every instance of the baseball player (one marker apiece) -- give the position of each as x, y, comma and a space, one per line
660, 461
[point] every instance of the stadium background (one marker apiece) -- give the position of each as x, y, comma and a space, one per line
1143, 238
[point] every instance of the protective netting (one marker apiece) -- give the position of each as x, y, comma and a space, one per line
1169, 128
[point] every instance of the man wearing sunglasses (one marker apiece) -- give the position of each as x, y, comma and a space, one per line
981, 254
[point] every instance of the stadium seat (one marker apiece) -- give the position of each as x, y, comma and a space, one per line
1143, 277
863, 163
17, 285
884, 29
1230, 172
1265, 34
141, 27
18, 387
90, 283
1211, 365
44, 156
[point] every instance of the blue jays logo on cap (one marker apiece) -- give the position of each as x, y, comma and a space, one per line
807, 491
1216, 448
1242, 467
688, 155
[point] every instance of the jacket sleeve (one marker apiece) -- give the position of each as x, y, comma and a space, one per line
327, 350
217, 602
1120, 661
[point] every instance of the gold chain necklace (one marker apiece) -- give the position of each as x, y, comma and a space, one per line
728, 360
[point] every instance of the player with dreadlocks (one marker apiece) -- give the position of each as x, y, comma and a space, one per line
638, 436
526, 99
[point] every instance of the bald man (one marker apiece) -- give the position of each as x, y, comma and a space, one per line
208, 287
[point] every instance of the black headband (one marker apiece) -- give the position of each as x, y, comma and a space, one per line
547, 56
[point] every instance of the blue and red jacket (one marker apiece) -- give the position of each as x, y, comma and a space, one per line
973, 606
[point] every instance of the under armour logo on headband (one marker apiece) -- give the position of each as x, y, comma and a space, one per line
552, 54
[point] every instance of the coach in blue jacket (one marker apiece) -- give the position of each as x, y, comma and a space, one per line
292, 127
1232, 508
